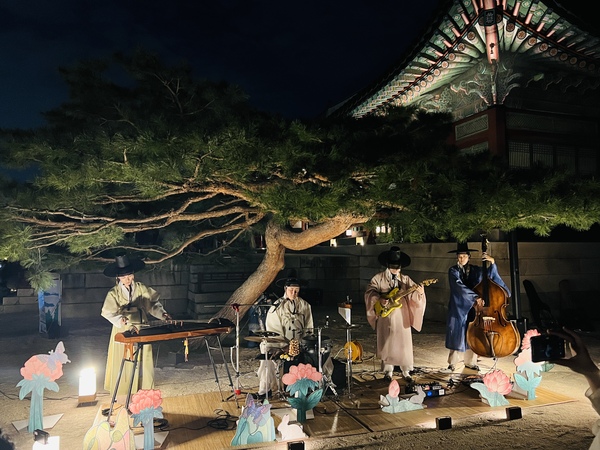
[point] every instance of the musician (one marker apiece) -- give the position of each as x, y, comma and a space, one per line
463, 277
128, 305
394, 335
289, 317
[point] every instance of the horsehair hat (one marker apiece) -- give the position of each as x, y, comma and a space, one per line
123, 266
394, 256
463, 247
290, 280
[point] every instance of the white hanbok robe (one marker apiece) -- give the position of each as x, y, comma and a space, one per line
290, 319
118, 304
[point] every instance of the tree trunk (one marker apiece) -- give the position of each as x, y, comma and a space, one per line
277, 239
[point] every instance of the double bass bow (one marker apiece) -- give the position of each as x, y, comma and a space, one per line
491, 334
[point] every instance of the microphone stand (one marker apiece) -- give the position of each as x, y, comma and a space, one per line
326, 381
236, 366
237, 390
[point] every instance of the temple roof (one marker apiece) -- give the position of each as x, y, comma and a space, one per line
476, 52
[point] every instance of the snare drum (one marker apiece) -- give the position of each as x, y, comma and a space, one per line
309, 347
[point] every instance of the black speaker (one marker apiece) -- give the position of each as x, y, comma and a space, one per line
338, 377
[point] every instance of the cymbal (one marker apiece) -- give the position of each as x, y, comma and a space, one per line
268, 340
266, 333
347, 326
309, 331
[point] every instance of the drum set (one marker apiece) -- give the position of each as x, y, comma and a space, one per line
315, 349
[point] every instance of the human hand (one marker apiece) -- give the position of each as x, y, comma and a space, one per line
581, 362
488, 258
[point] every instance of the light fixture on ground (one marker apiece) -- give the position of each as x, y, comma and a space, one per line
43, 441
443, 423
513, 412
87, 387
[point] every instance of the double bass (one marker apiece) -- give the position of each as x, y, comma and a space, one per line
491, 334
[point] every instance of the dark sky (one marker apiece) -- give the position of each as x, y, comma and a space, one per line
293, 58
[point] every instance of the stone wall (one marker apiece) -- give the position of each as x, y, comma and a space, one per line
339, 273
83, 292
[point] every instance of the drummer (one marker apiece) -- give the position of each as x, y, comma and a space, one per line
289, 317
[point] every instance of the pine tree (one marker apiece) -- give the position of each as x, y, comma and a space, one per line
147, 159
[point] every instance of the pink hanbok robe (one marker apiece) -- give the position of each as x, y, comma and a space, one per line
394, 335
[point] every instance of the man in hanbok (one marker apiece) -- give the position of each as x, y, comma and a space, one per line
463, 277
393, 314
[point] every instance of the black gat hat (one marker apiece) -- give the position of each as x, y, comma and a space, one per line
394, 256
462, 247
291, 280
123, 266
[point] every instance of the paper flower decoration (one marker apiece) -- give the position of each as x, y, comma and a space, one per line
39, 373
255, 423
116, 437
495, 386
527, 376
300, 381
526, 342
144, 407
392, 404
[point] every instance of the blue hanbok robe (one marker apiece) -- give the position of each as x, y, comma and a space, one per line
462, 299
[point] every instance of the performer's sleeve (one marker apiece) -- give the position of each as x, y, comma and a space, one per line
416, 304
151, 300
372, 296
309, 323
495, 277
110, 309
273, 324
464, 297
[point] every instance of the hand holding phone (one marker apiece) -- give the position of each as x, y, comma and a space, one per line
547, 347
580, 362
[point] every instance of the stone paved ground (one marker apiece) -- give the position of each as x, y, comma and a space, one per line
567, 425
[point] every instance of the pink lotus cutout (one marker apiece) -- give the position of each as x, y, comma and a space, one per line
144, 407
39, 373
495, 386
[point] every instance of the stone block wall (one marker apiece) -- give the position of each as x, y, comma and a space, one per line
84, 291
337, 273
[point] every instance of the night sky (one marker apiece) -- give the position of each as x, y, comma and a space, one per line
292, 58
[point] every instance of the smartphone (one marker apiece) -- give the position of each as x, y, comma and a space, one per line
547, 347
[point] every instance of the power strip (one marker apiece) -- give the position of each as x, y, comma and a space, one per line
430, 389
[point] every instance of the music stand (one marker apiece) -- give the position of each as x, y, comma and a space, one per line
345, 310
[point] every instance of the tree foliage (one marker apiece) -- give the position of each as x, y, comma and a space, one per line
146, 158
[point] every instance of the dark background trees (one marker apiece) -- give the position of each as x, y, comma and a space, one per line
148, 159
